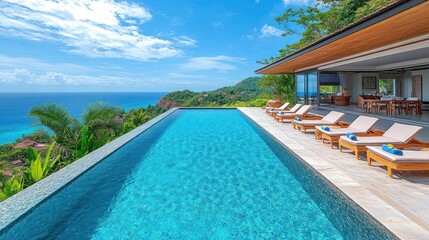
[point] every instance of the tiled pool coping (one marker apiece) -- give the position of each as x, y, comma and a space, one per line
16, 206
317, 156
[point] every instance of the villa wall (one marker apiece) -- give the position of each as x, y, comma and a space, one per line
425, 82
353, 83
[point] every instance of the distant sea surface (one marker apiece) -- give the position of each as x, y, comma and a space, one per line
14, 107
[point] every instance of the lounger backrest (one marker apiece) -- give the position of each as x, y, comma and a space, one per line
296, 107
304, 110
363, 123
402, 132
284, 106
333, 117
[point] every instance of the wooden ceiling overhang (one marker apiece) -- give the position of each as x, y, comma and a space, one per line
403, 21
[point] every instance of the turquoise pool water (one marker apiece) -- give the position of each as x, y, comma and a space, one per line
198, 174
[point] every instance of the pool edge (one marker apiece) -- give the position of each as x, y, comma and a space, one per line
19, 204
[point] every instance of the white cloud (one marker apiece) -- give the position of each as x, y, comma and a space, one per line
185, 40
94, 28
181, 75
268, 31
221, 63
297, 2
36, 64
54, 78
217, 25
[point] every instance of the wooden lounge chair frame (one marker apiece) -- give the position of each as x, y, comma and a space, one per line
399, 166
357, 149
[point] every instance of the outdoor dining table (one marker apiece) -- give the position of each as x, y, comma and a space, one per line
391, 104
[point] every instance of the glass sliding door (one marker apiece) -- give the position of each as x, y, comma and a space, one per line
300, 88
312, 88
307, 87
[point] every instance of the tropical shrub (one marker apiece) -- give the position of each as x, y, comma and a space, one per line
10, 187
87, 143
39, 166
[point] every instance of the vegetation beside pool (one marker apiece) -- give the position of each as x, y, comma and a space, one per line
70, 140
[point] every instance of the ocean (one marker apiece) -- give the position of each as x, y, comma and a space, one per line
14, 107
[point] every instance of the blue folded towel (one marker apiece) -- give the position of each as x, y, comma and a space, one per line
325, 128
392, 150
351, 136
298, 119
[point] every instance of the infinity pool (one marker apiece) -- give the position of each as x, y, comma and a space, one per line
198, 174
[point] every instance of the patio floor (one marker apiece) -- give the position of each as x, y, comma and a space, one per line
400, 203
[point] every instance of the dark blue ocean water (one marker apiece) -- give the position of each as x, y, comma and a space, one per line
14, 107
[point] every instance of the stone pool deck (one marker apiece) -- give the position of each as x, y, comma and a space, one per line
400, 203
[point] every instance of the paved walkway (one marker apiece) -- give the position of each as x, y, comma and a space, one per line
400, 203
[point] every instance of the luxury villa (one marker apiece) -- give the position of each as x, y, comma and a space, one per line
385, 55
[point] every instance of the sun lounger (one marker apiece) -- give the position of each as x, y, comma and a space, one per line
361, 125
331, 119
411, 160
292, 110
281, 108
401, 135
288, 117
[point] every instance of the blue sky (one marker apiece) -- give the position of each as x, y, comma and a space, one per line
142, 46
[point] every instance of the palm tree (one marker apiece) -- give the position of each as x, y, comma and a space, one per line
99, 117
57, 119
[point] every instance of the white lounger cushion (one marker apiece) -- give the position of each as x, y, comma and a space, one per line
333, 117
314, 122
281, 108
341, 131
402, 132
397, 133
302, 111
409, 155
360, 125
292, 110
371, 141
363, 123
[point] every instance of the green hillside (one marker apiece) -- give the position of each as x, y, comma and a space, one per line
244, 93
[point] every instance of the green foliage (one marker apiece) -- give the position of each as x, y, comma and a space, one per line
39, 166
58, 120
40, 135
99, 117
245, 91
371, 7
282, 86
10, 187
8, 153
326, 17
330, 89
136, 117
87, 143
